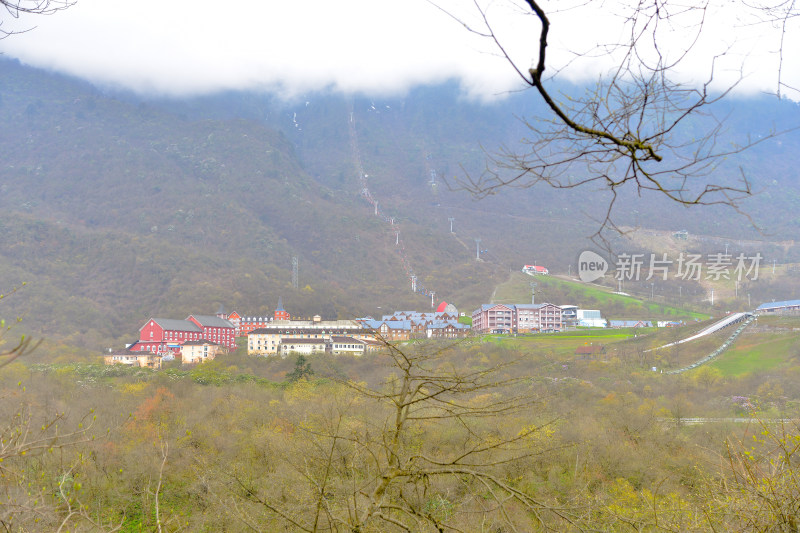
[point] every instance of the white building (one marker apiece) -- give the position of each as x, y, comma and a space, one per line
301, 346
346, 345
590, 318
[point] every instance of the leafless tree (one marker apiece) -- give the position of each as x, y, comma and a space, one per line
15, 8
25, 344
436, 448
631, 130
760, 486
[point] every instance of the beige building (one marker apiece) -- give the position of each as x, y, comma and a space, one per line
137, 359
267, 340
193, 352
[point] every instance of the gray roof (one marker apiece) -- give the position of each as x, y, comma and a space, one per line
175, 325
342, 340
444, 324
630, 323
211, 321
200, 342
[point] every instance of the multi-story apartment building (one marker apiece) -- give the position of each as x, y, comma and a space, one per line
517, 318
494, 318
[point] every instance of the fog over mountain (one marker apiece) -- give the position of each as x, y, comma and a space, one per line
120, 207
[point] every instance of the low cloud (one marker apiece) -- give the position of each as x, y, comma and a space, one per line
187, 47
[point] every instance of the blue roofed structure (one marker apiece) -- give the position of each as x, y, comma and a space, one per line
784, 307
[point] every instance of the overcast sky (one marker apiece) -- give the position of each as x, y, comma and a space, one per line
375, 46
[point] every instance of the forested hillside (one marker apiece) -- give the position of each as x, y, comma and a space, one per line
116, 208
115, 211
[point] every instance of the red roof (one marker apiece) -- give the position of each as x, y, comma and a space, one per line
442, 307
537, 268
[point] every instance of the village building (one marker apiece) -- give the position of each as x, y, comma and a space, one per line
246, 324
590, 351
517, 318
267, 340
280, 312
341, 345
215, 329
131, 358
591, 318
535, 270
166, 335
630, 324
199, 351
494, 318
405, 325
447, 330
301, 346
569, 315
786, 307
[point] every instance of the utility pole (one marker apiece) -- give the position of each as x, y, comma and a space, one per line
433, 293
533, 293
413, 283
451, 219
477, 249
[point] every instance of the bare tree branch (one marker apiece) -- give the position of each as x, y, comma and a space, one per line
631, 130
33, 7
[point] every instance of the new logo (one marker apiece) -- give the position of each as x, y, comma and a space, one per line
591, 266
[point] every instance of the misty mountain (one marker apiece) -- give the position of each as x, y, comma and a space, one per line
116, 208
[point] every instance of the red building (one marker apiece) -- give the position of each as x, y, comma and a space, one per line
166, 335
280, 312
215, 329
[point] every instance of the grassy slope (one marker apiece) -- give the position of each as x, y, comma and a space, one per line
772, 343
772, 347
614, 306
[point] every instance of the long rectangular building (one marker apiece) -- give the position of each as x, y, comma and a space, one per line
267, 340
785, 307
517, 318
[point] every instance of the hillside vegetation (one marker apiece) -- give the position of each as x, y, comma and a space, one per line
583, 443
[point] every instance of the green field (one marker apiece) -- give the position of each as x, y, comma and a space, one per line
758, 353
